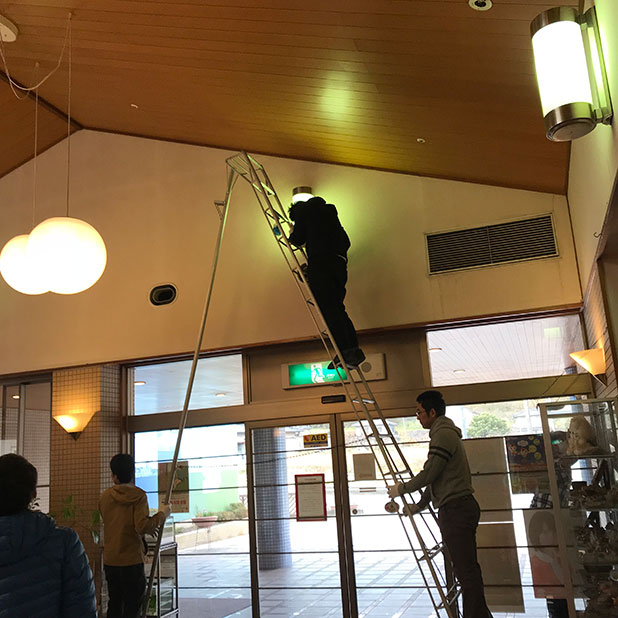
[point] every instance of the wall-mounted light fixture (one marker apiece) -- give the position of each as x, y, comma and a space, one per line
73, 422
570, 72
301, 194
593, 361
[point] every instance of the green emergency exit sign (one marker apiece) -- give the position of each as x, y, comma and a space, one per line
308, 374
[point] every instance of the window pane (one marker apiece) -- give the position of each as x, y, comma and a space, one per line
37, 428
8, 421
161, 388
507, 351
213, 532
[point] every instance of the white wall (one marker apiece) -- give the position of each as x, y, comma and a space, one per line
594, 158
153, 204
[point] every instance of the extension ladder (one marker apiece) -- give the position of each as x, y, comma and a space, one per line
391, 462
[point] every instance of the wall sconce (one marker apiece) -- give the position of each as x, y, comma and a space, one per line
593, 361
301, 194
73, 422
570, 72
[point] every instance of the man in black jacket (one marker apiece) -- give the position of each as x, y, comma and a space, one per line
317, 226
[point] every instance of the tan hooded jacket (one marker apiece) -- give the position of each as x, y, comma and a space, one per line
125, 513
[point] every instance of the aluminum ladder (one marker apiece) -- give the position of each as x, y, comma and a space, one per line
443, 590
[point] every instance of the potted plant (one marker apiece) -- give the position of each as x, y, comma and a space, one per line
205, 519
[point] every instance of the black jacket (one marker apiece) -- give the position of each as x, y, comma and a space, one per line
317, 226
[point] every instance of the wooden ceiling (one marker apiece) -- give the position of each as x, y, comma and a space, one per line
355, 82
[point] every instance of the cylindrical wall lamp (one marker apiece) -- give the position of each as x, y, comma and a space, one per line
301, 194
570, 72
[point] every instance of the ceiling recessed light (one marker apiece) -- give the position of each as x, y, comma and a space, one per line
8, 30
480, 5
459, 371
220, 395
134, 106
139, 383
420, 140
15, 396
435, 349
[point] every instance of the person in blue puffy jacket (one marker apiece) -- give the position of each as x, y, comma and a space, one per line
44, 571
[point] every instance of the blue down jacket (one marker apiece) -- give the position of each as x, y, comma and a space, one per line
44, 572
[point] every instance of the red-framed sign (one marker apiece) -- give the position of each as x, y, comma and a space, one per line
310, 497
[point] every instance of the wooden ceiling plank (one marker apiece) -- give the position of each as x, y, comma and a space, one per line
284, 65
291, 12
348, 25
227, 51
201, 28
32, 38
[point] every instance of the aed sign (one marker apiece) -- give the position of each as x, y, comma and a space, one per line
313, 440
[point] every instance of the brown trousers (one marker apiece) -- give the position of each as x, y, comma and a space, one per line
458, 520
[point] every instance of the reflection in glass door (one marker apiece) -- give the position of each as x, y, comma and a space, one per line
297, 561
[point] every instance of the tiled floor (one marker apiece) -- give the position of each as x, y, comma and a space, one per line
389, 585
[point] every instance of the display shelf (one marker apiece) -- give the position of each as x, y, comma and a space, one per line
163, 602
584, 500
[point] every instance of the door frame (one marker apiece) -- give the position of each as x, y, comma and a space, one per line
342, 506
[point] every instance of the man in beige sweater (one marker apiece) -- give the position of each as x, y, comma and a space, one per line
124, 508
448, 484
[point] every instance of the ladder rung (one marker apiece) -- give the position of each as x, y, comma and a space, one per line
450, 596
434, 551
382, 436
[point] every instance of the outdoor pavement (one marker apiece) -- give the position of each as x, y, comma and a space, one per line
215, 582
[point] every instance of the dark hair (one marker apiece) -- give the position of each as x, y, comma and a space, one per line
123, 466
18, 478
432, 400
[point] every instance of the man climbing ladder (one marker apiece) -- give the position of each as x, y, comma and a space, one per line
317, 227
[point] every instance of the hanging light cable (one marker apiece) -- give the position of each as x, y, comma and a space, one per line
70, 251
16, 265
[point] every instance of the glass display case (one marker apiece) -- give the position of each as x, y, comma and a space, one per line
581, 449
163, 602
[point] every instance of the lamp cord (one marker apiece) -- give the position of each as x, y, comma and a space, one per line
14, 85
70, 37
36, 142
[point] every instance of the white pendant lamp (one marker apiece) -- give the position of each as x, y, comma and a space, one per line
18, 269
62, 254
70, 253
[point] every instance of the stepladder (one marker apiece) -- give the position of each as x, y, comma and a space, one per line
421, 530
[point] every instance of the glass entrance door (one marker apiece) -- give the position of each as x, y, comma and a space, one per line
297, 562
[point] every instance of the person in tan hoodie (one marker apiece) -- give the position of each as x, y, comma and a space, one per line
124, 509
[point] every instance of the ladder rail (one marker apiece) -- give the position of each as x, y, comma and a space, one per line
264, 191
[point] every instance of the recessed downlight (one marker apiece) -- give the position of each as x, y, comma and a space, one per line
219, 394
480, 5
420, 140
15, 396
435, 349
139, 383
459, 371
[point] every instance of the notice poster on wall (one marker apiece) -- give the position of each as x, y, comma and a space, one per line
527, 465
310, 497
364, 467
180, 492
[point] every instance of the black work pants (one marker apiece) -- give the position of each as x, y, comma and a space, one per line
458, 520
327, 277
126, 587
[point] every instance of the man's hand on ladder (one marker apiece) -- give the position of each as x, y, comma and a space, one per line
395, 490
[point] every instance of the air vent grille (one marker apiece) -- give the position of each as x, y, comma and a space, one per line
514, 241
